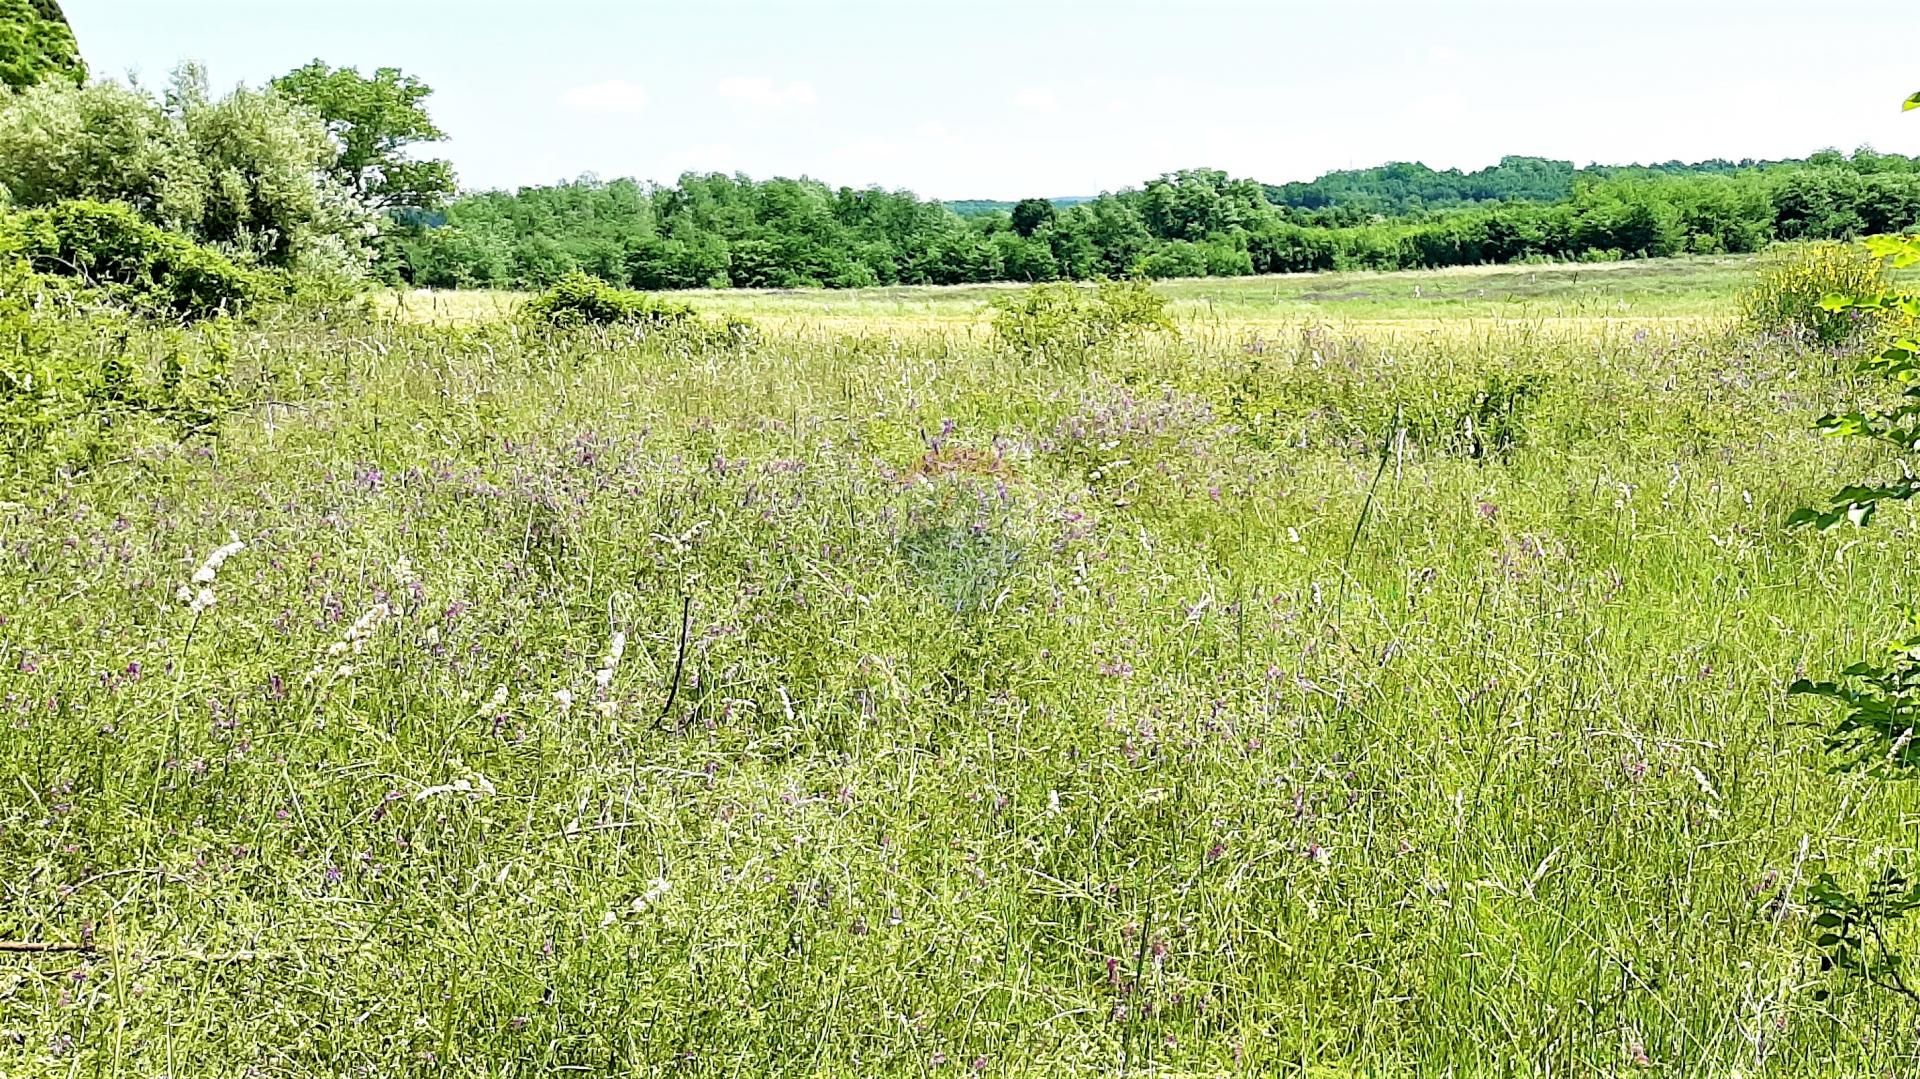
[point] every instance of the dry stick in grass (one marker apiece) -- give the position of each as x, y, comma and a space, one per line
679, 659
31, 947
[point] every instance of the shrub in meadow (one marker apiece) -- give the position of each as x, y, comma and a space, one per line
68, 381
1788, 298
1069, 321
110, 246
582, 300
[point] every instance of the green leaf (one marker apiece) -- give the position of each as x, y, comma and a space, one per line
1912, 103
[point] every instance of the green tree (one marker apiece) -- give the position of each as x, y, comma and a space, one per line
37, 44
375, 123
104, 142
242, 171
1032, 215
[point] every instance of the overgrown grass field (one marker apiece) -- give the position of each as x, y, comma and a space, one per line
1581, 295
858, 698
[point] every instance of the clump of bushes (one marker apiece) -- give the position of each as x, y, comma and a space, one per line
1068, 321
109, 246
579, 299
68, 378
1788, 298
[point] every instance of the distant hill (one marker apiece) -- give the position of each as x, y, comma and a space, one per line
1405, 187
1410, 187
983, 207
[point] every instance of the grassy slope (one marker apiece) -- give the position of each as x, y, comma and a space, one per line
1033, 721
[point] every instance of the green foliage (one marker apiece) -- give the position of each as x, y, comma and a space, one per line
1880, 701
716, 231
1789, 294
67, 382
581, 300
37, 45
111, 246
1882, 710
35, 394
375, 122
1854, 931
105, 142
1062, 321
1495, 423
240, 171
1031, 215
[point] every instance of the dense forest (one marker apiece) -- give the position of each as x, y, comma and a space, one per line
731, 231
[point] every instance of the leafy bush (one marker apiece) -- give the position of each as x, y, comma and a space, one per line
1788, 298
244, 172
1065, 320
1880, 702
581, 300
34, 395
66, 380
110, 246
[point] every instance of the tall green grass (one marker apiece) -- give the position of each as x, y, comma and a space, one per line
1207, 708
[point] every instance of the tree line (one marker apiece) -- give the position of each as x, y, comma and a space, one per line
320, 171
712, 230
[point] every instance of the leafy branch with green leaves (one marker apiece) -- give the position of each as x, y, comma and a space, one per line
1880, 701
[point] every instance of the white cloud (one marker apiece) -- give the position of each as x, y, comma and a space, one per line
611, 96
1036, 99
765, 95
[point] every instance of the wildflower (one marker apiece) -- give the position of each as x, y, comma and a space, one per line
197, 593
211, 567
616, 648
477, 786
656, 890
364, 626
563, 698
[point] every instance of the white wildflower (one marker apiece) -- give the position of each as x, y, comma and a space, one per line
211, 567
616, 648
499, 702
473, 785
197, 594
564, 699
657, 890
363, 627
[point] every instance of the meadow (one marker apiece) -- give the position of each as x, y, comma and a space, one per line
1382, 675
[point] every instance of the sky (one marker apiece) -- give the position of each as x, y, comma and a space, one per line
1005, 99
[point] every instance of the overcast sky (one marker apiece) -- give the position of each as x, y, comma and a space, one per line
1009, 98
